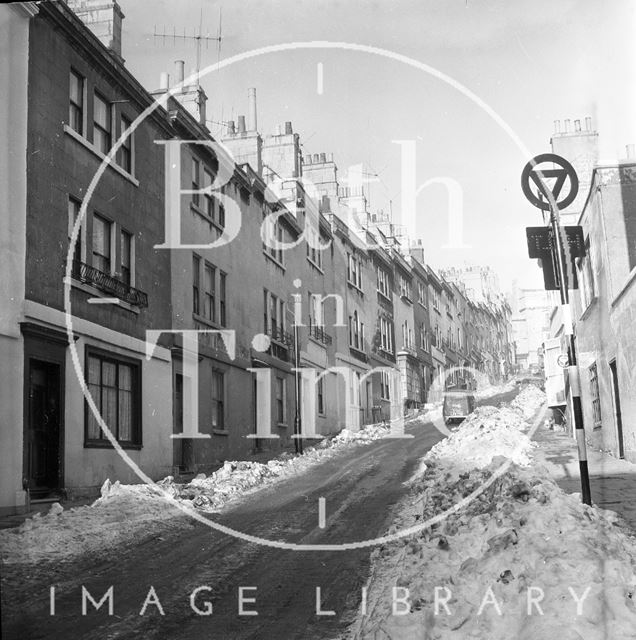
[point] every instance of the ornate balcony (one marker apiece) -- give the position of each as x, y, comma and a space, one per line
109, 284
319, 334
282, 343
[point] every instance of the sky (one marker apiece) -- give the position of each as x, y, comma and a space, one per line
530, 62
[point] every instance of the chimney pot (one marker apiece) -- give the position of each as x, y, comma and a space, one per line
330, 157
241, 124
323, 157
316, 158
164, 81
251, 112
179, 72
230, 127
577, 125
566, 126
557, 126
588, 123
288, 128
307, 159
630, 150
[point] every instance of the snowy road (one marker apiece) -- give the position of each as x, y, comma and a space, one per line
359, 485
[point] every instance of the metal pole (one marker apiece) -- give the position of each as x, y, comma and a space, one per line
573, 370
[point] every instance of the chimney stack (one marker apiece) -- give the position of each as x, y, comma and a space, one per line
103, 18
179, 72
241, 124
251, 113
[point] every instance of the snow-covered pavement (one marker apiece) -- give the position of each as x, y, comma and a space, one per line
521, 560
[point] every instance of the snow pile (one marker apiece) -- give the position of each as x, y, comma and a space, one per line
494, 390
528, 401
484, 435
521, 540
121, 514
236, 478
489, 432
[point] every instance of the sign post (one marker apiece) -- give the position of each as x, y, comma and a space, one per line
560, 250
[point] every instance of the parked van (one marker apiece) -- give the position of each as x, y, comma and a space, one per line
457, 406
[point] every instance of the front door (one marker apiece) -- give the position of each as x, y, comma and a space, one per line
44, 453
617, 409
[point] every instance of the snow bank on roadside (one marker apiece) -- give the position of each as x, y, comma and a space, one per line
124, 512
522, 538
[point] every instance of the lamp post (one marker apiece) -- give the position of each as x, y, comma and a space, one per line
297, 418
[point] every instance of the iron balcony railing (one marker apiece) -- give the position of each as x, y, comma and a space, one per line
280, 335
319, 333
109, 284
282, 342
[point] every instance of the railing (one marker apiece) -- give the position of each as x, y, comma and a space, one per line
319, 333
282, 343
358, 354
387, 355
280, 335
109, 284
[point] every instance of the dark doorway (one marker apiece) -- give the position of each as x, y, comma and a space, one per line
44, 446
617, 409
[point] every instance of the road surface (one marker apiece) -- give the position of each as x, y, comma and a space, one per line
360, 485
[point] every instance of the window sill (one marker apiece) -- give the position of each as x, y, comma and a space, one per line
406, 298
586, 312
355, 287
220, 432
315, 265
195, 208
98, 293
280, 265
206, 321
93, 444
97, 153
282, 425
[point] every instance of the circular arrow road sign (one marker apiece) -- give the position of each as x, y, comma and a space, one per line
532, 173
563, 361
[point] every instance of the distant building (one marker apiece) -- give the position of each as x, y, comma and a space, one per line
531, 309
481, 282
